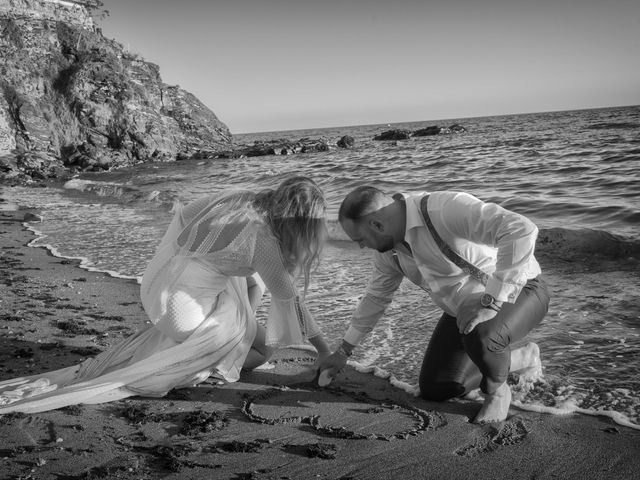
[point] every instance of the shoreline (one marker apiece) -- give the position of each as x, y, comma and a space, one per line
83, 262
566, 407
271, 424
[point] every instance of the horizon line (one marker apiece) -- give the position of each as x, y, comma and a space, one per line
433, 120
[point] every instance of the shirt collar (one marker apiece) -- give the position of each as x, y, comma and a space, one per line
413, 214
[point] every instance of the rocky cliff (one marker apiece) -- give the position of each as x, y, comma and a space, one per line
71, 99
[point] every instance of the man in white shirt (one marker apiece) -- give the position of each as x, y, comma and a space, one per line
476, 261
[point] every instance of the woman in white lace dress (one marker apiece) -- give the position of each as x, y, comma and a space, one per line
201, 291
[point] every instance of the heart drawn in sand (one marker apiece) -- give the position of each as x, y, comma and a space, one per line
339, 413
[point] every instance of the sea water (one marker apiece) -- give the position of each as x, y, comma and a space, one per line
576, 174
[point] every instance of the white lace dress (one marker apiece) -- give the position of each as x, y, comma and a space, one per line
195, 294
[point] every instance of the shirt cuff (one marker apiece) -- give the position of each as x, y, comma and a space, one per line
354, 336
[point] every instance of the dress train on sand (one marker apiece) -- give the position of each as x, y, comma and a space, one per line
147, 363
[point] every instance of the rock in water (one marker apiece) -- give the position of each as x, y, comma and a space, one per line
346, 141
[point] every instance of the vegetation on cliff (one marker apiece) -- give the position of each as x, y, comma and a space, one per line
71, 99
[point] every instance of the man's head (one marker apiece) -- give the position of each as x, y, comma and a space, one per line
372, 218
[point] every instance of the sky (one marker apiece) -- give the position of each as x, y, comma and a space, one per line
272, 65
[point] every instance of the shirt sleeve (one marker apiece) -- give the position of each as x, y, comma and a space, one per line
513, 235
289, 320
384, 281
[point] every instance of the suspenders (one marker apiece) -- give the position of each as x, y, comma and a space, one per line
465, 265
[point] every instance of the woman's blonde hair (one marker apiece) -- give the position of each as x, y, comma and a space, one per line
296, 213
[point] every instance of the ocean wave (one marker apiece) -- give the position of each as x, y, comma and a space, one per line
607, 125
336, 233
121, 192
568, 243
563, 406
83, 262
558, 242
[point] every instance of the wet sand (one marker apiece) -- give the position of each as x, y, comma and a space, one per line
272, 424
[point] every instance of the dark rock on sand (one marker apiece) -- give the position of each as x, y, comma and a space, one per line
203, 422
325, 451
136, 414
322, 450
32, 217
236, 446
75, 327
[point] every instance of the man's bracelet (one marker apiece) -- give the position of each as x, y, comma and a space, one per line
494, 307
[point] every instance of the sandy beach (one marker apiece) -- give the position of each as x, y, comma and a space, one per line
274, 423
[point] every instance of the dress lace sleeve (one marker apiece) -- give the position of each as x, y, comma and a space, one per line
289, 320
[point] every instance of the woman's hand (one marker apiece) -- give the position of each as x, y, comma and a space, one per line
322, 348
322, 356
471, 313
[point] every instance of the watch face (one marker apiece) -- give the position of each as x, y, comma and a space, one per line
486, 300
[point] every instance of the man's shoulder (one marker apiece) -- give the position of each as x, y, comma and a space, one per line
434, 193
439, 198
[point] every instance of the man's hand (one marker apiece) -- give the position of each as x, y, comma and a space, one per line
471, 313
334, 363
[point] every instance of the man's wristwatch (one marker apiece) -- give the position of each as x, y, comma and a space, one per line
487, 301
